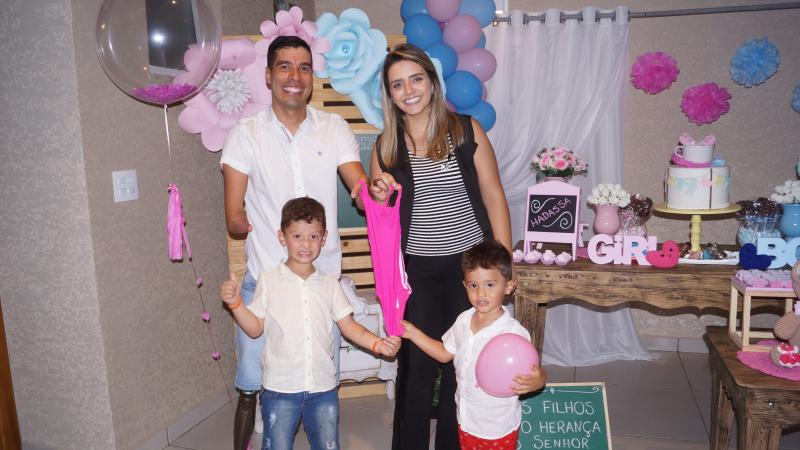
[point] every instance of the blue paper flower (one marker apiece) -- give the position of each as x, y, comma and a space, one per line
356, 55
754, 62
796, 104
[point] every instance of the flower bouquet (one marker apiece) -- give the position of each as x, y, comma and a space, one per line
609, 194
558, 162
788, 192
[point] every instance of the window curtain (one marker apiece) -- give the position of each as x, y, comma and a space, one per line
562, 83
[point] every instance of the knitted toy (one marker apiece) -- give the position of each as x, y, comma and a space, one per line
788, 328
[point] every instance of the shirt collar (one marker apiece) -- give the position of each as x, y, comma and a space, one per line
284, 270
311, 118
497, 323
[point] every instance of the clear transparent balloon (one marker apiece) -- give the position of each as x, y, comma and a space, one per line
158, 51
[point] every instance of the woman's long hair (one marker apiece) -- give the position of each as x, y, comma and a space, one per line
441, 120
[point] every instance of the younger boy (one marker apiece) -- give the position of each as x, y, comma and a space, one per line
295, 306
484, 421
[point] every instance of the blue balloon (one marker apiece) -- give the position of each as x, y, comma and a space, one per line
482, 42
422, 30
483, 112
463, 89
410, 8
446, 55
483, 10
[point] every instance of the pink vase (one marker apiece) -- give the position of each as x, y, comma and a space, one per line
606, 219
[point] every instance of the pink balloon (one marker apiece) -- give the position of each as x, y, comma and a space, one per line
462, 32
478, 61
443, 10
484, 92
502, 358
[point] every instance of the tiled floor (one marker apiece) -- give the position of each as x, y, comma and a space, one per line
653, 405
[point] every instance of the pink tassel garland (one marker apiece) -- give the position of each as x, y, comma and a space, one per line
176, 226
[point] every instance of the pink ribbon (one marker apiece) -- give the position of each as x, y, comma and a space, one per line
678, 161
685, 139
176, 225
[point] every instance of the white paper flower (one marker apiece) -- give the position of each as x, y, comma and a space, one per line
229, 90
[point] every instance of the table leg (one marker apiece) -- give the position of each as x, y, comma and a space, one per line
721, 414
746, 305
532, 316
754, 435
538, 332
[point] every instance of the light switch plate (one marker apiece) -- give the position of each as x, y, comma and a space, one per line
126, 186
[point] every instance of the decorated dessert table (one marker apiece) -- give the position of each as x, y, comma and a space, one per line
697, 287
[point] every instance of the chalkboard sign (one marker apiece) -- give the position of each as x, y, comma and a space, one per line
566, 415
553, 214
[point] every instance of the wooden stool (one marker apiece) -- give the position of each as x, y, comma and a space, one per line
742, 338
762, 404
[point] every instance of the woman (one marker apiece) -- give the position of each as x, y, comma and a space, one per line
452, 200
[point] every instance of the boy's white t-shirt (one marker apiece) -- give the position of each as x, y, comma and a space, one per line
479, 413
299, 317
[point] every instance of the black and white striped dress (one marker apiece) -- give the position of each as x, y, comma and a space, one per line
442, 219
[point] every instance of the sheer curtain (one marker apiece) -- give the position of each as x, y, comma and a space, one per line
562, 84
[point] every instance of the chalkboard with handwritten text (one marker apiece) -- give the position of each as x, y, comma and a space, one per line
566, 415
552, 213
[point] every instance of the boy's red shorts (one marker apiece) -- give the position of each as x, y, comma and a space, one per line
470, 442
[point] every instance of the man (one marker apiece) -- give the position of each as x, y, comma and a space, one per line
289, 150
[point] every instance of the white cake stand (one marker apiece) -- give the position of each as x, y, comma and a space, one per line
697, 215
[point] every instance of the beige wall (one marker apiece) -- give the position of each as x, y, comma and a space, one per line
758, 137
105, 339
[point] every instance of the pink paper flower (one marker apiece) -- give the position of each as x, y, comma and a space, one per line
198, 281
215, 355
654, 72
705, 103
206, 316
237, 89
291, 23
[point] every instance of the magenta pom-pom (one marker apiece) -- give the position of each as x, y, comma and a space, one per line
654, 72
705, 103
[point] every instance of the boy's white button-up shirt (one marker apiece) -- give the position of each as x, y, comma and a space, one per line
479, 413
298, 318
281, 166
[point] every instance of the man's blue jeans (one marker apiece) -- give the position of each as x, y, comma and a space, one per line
282, 413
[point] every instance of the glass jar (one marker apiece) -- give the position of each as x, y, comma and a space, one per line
754, 227
631, 223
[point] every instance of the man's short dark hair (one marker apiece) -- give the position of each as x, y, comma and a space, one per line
302, 208
488, 255
285, 42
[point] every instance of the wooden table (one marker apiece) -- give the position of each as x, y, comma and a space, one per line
687, 285
762, 404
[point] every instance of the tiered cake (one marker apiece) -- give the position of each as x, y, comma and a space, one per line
697, 179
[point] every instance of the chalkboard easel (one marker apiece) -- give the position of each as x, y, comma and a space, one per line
566, 415
553, 214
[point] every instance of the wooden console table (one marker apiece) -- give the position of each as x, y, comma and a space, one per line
687, 285
762, 404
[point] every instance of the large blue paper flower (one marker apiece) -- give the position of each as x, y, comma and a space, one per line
796, 104
355, 56
754, 62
